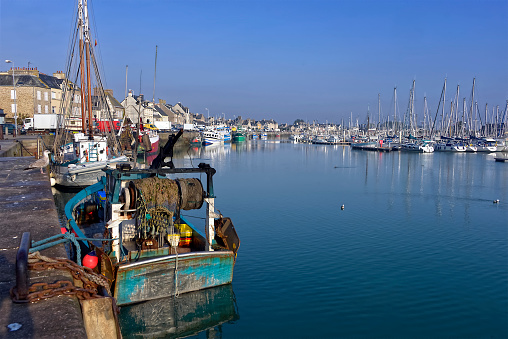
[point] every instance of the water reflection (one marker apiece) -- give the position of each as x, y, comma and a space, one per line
187, 314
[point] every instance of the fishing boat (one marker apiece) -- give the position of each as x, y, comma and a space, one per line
78, 159
150, 249
212, 138
148, 148
238, 134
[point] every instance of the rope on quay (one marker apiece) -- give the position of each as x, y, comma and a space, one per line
55, 240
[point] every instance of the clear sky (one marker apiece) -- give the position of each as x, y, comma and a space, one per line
281, 59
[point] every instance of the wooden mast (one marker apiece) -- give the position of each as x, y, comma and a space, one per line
88, 74
81, 64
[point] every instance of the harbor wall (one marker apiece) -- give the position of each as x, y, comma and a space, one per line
27, 205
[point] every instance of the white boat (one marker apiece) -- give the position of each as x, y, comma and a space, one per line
471, 148
212, 138
420, 147
449, 147
83, 161
296, 138
487, 145
264, 136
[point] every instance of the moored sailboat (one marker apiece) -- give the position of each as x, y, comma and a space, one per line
79, 158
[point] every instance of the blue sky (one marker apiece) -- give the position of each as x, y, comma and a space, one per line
281, 59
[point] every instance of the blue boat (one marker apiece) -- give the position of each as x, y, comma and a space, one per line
151, 250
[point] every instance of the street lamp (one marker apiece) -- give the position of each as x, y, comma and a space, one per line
15, 111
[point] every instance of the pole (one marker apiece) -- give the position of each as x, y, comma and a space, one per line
14, 108
154, 74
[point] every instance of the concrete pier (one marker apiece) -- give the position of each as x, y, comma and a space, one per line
26, 205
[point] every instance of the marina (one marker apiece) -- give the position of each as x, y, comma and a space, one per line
383, 272
228, 177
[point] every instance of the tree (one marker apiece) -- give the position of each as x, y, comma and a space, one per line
298, 121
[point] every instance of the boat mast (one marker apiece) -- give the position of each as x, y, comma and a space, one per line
471, 111
395, 108
126, 71
81, 64
154, 74
88, 75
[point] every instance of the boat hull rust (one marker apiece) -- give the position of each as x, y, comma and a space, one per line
154, 279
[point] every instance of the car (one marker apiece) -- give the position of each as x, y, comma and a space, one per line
150, 127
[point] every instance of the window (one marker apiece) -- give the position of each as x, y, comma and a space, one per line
77, 98
46, 109
53, 109
14, 108
13, 94
53, 95
46, 96
39, 95
39, 109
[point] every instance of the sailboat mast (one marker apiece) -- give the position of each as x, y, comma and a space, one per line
126, 71
88, 74
82, 64
472, 103
154, 74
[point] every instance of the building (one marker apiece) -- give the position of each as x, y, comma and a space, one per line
32, 92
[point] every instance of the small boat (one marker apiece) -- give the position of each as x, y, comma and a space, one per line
296, 138
152, 250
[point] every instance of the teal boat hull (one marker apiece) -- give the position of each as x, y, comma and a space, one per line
171, 275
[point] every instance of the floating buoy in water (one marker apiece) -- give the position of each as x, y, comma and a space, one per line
496, 201
90, 260
342, 207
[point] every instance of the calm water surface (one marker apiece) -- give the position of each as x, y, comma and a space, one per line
419, 251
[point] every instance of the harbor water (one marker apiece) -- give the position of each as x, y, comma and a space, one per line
419, 250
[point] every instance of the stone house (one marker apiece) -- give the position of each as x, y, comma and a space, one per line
33, 92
